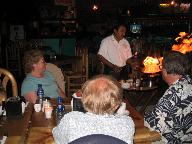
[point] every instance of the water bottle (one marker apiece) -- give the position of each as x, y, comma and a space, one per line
60, 110
40, 93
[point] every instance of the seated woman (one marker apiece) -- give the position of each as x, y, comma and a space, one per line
101, 97
35, 68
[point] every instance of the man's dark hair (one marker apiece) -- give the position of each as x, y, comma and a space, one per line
175, 63
119, 24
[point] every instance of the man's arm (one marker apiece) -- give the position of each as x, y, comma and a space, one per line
161, 118
61, 93
133, 63
109, 64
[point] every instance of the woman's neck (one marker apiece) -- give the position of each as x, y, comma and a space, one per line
37, 74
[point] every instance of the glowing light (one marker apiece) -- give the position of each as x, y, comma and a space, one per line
152, 65
185, 43
95, 7
172, 2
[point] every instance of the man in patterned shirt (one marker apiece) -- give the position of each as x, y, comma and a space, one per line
172, 116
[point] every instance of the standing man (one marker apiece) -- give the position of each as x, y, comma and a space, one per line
115, 52
172, 116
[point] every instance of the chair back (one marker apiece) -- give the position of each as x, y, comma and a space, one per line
57, 73
82, 65
7, 76
79, 76
97, 139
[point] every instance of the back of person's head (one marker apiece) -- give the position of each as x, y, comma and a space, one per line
175, 63
101, 95
31, 57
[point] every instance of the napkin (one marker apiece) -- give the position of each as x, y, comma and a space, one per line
2, 141
122, 109
75, 96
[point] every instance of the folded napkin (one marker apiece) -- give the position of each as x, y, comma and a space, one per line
76, 96
122, 109
2, 141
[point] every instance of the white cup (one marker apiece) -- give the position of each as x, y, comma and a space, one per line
37, 107
23, 107
46, 104
125, 85
1, 111
48, 112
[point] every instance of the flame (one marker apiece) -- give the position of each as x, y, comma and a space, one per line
182, 34
185, 45
152, 65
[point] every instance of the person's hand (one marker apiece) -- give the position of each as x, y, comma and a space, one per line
116, 68
135, 66
79, 93
122, 109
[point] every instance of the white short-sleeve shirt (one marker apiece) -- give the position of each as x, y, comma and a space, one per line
114, 52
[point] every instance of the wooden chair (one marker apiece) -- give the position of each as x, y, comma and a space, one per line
7, 76
76, 78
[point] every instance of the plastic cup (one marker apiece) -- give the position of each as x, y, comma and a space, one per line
1, 110
37, 107
46, 104
48, 112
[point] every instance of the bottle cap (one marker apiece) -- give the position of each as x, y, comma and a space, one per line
39, 85
59, 99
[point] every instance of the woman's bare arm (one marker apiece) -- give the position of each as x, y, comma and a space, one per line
31, 97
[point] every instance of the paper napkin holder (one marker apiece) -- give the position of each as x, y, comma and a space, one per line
13, 107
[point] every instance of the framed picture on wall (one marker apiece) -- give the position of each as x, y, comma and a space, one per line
17, 32
64, 2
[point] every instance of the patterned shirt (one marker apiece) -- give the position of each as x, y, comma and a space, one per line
172, 116
77, 124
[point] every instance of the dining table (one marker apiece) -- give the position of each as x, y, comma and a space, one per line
34, 128
16, 129
146, 93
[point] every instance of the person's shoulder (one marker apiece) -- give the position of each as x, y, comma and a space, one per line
124, 40
125, 121
182, 83
74, 115
48, 74
125, 118
28, 79
108, 38
28, 84
118, 118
